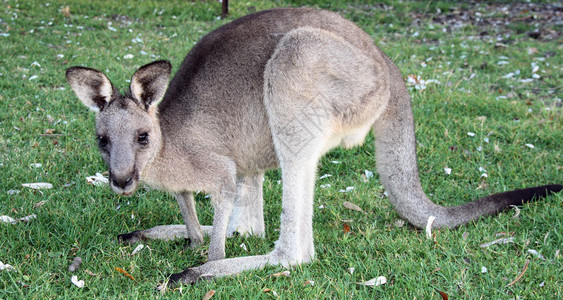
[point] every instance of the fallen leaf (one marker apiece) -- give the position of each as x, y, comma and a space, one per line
348, 189
309, 282
346, 228
284, 273
75, 281
536, 254
6, 267
375, 281
352, 206
38, 185
96, 180
208, 295
521, 274
39, 204
499, 241
532, 50
66, 11
120, 270
444, 295
8, 219
517, 211
399, 223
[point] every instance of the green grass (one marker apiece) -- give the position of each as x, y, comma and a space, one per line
83, 220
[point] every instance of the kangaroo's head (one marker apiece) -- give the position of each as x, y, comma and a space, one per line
127, 126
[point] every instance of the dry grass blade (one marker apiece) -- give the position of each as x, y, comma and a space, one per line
521, 274
499, 241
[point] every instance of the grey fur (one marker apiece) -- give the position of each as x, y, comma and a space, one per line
277, 88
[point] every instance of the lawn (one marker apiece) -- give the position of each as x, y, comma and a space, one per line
485, 81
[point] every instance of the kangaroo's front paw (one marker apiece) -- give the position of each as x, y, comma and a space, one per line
188, 276
131, 238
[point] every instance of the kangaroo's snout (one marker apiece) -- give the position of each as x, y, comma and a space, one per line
125, 184
122, 182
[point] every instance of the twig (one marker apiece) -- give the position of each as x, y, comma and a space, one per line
521, 274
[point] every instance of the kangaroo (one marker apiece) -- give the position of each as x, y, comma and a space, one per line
276, 88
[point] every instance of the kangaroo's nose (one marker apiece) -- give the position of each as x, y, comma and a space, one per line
122, 182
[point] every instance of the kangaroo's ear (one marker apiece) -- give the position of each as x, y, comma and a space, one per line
91, 86
150, 82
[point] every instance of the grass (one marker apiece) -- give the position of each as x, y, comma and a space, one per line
41, 121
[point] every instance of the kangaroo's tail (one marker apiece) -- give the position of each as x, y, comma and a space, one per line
398, 170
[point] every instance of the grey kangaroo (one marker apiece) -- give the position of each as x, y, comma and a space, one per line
277, 88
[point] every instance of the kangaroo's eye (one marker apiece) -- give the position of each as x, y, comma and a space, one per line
143, 138
103, 141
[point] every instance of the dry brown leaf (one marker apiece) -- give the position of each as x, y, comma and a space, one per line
66, 11
346, 228
120, 270
352, 206
444, 295
208, 295
284, 273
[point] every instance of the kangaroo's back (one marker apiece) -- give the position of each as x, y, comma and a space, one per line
219, 86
